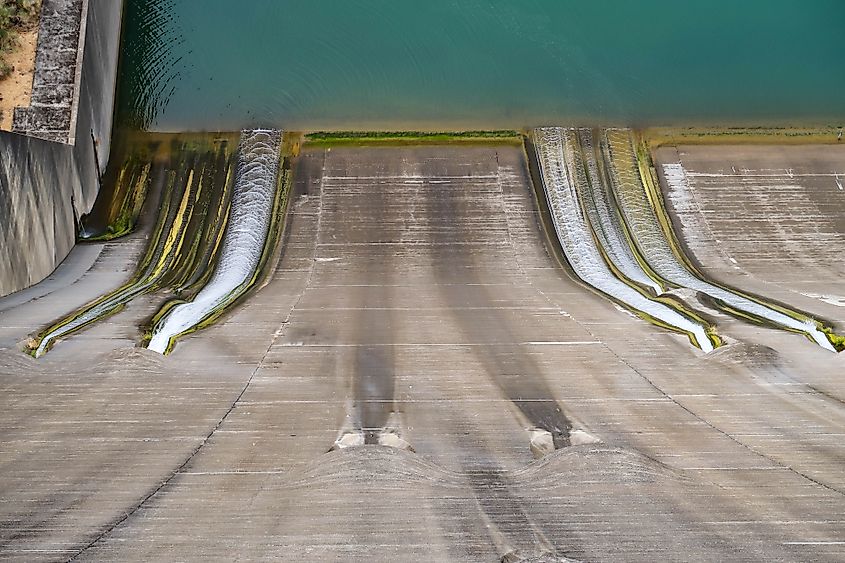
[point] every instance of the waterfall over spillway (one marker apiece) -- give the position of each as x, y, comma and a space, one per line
244, 240
562, 169
639, 212
596, 195
191, 190
97, 311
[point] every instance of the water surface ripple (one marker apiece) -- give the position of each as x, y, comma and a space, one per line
215, 65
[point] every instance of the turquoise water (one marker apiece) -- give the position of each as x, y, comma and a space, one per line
375, 64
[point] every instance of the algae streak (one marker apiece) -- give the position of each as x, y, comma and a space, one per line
195, 191
255, 226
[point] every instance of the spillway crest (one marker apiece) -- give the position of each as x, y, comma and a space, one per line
608, 215
244, 240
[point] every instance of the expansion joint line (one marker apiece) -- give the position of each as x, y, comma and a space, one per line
179, 469
539, 536
519, 264
666, 395
202, 443
729, 260
722, 432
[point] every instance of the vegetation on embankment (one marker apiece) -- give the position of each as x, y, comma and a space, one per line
15, 16
662, 136
653, 136
364, 138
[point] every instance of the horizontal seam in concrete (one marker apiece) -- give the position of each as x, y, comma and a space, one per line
182, 466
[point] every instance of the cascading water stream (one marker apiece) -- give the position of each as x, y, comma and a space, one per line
101, 309
561, 169
605, 220
645, 227
244, 240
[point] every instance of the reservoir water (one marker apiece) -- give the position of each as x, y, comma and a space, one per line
383, 64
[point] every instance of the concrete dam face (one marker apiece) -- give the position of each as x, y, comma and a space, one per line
548, 347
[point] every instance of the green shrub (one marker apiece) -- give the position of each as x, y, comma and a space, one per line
15, 16
23, 13
7, 34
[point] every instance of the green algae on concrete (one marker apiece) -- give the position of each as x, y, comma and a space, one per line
135, 161
656, 137
399, 138
649, 191
555, 243
270, 254
195, 191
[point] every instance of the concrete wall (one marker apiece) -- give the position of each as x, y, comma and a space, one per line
44, 184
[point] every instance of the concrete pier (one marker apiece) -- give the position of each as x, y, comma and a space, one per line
50, 168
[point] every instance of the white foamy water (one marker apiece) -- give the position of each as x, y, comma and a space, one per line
560, 167
645, 227
606, 222
243, 243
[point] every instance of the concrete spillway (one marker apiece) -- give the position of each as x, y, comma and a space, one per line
192, 188
562, 170
639, 209
104, 307
243, 244
415, 285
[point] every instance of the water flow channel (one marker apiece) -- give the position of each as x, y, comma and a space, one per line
243, 243
638, 208
562, 170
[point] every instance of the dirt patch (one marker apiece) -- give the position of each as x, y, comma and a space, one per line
16, 88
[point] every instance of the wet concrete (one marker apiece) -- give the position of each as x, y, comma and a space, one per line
773, 212
415, 296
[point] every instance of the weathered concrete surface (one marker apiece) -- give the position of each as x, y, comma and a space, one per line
44, 185
775, 212
770, 220
55, 85
415, 296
